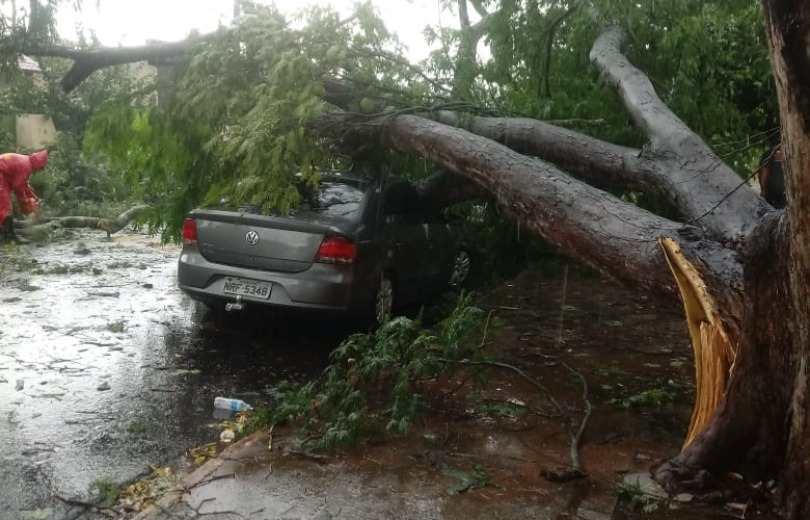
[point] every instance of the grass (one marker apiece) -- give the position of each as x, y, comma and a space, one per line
652, 398
106, 489
636, 497
61, 269
502, 409
116, 327
136, 428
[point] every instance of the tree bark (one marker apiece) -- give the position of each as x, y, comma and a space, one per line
111, 226
788, 27
87, 61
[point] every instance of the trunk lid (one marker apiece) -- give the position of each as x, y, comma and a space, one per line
245, 239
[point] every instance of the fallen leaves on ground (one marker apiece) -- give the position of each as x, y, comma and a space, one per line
145, 492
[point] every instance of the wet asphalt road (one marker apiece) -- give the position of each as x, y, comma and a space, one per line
106, 368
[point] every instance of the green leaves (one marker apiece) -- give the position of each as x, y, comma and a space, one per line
372, 384
236, 125
707, 60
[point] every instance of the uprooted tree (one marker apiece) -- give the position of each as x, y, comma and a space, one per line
261, 101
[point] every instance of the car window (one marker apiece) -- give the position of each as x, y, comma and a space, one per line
335, 199
401, 198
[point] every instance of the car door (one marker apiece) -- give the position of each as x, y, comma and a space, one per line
405, 234
442, 247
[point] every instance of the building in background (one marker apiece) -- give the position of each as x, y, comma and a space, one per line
33, 131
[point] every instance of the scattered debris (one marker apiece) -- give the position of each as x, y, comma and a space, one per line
227, 436
645, 485
145, 492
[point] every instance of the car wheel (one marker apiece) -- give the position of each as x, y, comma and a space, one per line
383, 300
460, 269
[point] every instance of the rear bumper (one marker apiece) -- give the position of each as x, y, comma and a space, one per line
325, 287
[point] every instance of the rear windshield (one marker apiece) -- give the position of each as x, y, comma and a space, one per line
335, 198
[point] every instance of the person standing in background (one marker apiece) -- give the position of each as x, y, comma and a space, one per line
772, 176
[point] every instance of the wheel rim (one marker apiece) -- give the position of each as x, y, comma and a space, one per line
384, 303
461, 268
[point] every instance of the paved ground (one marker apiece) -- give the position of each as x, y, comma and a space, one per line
106, 368
250, 481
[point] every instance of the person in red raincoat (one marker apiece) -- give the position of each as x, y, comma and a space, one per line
15, 170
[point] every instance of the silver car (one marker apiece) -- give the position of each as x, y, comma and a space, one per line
355, 247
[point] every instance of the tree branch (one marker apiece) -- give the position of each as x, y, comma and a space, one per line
708, 190
552, 31
111, 226
479, 8
615, 237
605, 164
699, 196
87, 61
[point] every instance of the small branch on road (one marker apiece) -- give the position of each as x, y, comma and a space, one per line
212, 479
197, 513
168, 513
574, 471
109, 511
111, 226
486, 331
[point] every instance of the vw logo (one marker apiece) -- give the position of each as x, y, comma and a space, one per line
252, 238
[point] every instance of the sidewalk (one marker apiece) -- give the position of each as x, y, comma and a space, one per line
249, 481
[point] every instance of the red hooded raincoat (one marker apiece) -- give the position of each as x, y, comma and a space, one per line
15, 170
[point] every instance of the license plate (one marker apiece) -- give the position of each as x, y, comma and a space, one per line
244, 287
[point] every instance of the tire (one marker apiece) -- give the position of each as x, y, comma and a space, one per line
460, 270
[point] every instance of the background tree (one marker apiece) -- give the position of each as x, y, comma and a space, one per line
71, 183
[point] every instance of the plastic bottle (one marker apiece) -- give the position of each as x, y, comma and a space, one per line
234, 405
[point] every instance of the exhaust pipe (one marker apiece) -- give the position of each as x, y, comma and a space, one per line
235, 306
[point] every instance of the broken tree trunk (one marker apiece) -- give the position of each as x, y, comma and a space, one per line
48, 224
741, 326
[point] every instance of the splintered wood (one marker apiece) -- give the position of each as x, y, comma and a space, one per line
714, 355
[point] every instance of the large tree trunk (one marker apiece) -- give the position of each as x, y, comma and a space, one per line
761, 428
788, 24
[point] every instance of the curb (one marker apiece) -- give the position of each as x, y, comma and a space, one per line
188, 481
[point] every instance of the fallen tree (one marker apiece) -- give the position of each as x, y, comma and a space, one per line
44, 224
740, 269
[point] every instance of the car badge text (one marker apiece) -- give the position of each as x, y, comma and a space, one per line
252, 238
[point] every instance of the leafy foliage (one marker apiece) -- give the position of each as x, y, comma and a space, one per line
707, 60
653, 398
235, 126
71, 183
371, 385
105, 489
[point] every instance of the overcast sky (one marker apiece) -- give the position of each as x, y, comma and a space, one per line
132, 22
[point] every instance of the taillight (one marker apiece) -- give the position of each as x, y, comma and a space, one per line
336, 250
190, 231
